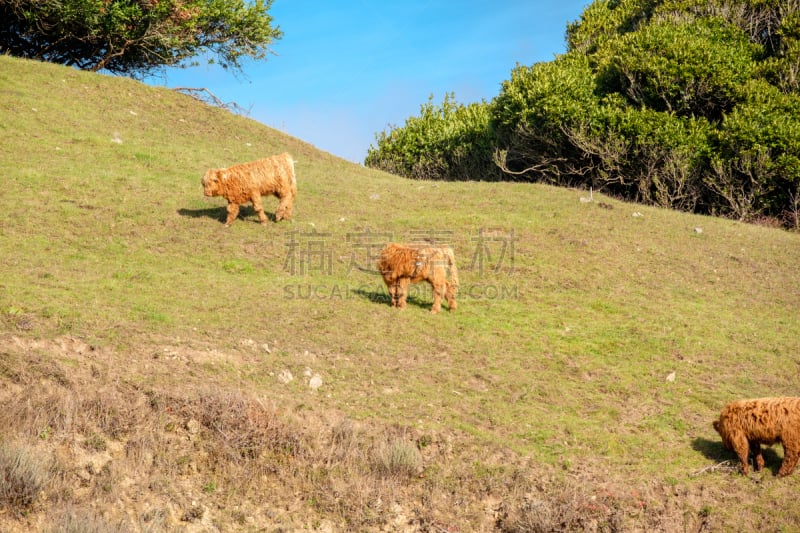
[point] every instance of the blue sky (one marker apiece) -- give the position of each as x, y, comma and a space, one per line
345, 70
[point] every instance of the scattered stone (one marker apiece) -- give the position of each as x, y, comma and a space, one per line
193, 426
84, 476
315, 382
265, 347
671, 377
284, 376
374, 196
698, 230
637, 214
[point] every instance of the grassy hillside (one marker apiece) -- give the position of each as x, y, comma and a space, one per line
146, 350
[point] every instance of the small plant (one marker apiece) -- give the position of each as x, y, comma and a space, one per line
24, 475
237, 266
210, 487
96, 443
73, 521
397, 458
193, 513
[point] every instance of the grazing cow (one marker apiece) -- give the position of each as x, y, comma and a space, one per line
247, 182
403, 264
745, 425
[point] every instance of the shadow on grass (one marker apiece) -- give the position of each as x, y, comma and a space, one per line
373, 296
220, 214
715, 451
381, 297
712, 449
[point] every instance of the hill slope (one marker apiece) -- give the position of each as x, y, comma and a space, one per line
156, 365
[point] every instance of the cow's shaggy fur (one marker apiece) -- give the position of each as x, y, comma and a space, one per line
745, 425
247, 182
404, 264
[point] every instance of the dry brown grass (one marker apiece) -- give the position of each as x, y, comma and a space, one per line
24, 473
397, 458
72, 520
162, 459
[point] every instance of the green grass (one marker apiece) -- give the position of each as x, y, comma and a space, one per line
559, 352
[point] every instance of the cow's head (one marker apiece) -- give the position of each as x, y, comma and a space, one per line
211, 182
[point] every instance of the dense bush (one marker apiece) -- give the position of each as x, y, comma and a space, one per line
680, 103
449, 141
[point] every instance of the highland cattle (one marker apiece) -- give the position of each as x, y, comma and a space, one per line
248, 182
745, 425
404, 264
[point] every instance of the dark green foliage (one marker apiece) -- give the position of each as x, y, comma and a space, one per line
691, 68
686, 104
529, 114
135, 36
756, 167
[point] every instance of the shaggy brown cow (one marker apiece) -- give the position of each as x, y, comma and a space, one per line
247, 182
403, 264
745, 425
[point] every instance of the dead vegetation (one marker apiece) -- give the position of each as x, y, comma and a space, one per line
87, 448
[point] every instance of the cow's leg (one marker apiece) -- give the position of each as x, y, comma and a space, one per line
259, 207
284, 211
450, 294
233, 212
438, 291
392, 286
790, 456
755, 450
402, 291
741, 446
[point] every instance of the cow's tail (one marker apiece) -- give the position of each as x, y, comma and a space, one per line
451, 263
294, 176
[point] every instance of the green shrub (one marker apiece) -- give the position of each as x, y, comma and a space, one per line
683, 104
449, 141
